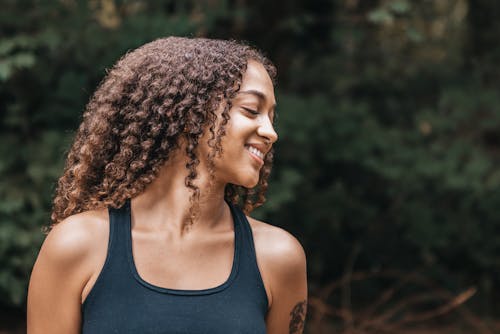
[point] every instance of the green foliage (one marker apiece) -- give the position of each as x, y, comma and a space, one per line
394, 144
388, 125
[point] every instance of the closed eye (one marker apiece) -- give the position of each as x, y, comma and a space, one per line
251, 111
256, 112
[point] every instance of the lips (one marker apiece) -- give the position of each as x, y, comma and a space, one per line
255, 151
256, 154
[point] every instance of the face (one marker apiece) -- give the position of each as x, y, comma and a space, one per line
249, 132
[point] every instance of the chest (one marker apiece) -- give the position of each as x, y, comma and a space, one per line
190, 265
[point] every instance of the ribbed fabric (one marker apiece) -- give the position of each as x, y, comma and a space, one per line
121, 302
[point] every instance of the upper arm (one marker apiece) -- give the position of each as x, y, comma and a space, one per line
287, 263
57, 280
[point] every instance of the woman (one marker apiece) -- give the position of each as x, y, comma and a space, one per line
147, 233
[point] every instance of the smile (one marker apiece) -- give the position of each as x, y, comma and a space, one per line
255, 152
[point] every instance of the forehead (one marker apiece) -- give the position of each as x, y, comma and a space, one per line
256, 78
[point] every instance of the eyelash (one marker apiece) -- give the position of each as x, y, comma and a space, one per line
251, 111
254, 112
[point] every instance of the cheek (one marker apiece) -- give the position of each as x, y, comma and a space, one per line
230, 148
238, 127
237, 133
231, 138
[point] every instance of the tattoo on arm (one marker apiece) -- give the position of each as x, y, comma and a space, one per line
298, 316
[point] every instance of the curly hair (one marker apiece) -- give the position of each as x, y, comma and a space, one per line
152, 97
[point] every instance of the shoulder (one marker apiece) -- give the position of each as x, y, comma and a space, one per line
277, 244
62, 269
281, 257
75, 238
282, 263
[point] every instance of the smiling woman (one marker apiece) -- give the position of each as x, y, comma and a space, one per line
151, 232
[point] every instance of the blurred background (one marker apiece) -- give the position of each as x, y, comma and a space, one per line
387, 168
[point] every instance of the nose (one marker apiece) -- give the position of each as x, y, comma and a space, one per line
266, 130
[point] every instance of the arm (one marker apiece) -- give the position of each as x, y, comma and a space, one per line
288, 287
58, 277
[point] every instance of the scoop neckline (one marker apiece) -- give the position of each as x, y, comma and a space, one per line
192, 292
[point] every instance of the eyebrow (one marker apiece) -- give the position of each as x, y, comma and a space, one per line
257, 93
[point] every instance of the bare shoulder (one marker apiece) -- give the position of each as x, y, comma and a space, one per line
66, 261
282, 263
76, 236
277, 246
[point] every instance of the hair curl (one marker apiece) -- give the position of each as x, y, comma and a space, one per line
162, 91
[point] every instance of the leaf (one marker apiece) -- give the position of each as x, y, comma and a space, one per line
23, 60
400, 6
5, 70
380, 16
414, 35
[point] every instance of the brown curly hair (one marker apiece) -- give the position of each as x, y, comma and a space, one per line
153, 96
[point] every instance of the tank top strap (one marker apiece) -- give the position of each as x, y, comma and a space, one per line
247, 247
119, 222
250, 276
115, 264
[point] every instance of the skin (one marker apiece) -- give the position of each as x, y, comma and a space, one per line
200, 256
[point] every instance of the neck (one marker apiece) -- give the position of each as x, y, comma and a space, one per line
165, 204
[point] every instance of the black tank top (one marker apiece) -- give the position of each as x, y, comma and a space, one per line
122, 302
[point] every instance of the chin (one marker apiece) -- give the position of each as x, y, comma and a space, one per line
249, 182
